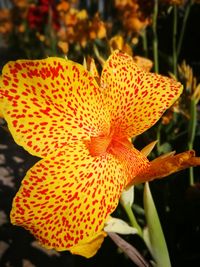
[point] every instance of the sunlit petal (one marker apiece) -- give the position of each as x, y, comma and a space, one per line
65, 199
90, 248
1, 103
50, 102
148, 148
136, 98
1, 108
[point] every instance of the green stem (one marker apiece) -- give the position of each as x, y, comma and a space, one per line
50, 33
174, 40
144, 43
155, 37
182, 32
191, 132
158, 137
132, 219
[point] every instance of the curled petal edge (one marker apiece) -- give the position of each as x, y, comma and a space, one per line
89, 249
165, 166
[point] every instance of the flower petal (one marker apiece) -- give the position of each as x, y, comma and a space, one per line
127, 196
89, 249
136, 98
119, 226
1, 103
1, 111
65, 199
50, 102
164, 166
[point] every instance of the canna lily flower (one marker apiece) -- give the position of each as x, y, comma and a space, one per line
81, 130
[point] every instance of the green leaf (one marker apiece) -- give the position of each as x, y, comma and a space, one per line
155, 238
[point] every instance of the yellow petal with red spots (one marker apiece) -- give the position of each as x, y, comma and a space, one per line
65, 199
50, 102
91, 247
136, 98
1, 108
1, 102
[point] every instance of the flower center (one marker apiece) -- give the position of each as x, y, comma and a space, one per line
121, 148
112, 143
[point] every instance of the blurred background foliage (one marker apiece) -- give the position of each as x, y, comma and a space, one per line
162, 36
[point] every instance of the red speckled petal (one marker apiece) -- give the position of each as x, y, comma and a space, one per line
65, 199
136, 98
1, 107
50, 102
1, 101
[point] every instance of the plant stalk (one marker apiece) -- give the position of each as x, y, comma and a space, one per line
174, 40
191, 132
144, 43
155, 37
184, 23
132, 219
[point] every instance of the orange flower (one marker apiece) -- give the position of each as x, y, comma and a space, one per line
78, 28
133, 15
97, 28
63, 6
21, 3
174, 2
57, 111
6, 24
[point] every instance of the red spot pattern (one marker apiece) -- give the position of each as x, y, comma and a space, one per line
46, 95
63, 199
56, 110
136, 99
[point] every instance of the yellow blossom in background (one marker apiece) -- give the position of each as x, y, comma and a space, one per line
117, 43
191, 91
82, 14
186, 74
64, 46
